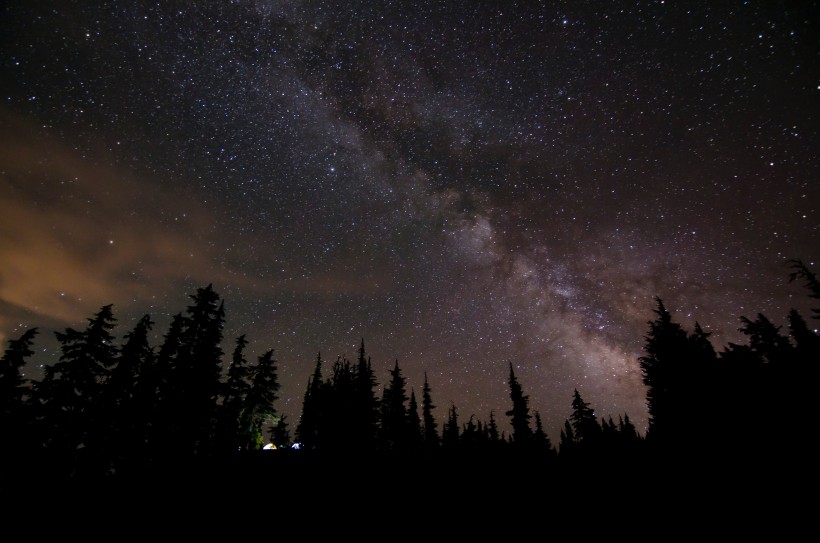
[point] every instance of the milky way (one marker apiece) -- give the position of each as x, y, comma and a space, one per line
464, 186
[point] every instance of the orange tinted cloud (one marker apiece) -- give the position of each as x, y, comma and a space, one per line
76, 235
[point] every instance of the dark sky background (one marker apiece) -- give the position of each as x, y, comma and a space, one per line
462, 184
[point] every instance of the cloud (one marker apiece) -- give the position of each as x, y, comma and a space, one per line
76, 234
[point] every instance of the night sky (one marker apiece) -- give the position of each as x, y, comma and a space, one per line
464, 185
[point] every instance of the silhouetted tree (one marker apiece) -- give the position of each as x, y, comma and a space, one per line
542, 445
338, 407
70, 395
801, 271
451, 432
567, 443
365, 417
394, 423
415, 432
664, 369
160, 440
585, 426
279, 433
129, 399
14, 388
492, 429
16, 417
234, 393
307, 430
431, 437
520, 412
193, 386
259, 403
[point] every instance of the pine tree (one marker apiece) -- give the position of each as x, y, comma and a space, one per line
541, 441
162, 428
365, 417
14, 388
520, 412
585, 426
431, 437
663, 367
234, 393
415, 431
567, 443
492, 429
279, 433
394, 423
338, 406
70, 395
259, 403
450, 435
307, 430
802, 271
16, 415
193, 354
129, 398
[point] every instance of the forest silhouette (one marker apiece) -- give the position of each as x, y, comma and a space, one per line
189, 414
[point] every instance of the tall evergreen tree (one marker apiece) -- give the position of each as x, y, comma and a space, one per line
664, 370
70, 395
338, 407
279, 433
307, 430
16, 416
451, 433
14, 388
542, 445
431, 437
234, 393
364, 420
492, 429
193, 349
129, 398
520, 413
585, 426
801, 271
567, 443
394, 422
415, 432
259, 404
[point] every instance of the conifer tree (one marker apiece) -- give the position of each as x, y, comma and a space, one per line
801, 271
365, 417
394, 422
16, 416
415, 432
492, 430
193, 349
14, 388
307, 430
70, 394
585, 426
664, 370
279, 433
129, 398
431, 437
163, 420
451, 433
234, 393
520, 413
338, 406
542, 445
259, 403
567, 443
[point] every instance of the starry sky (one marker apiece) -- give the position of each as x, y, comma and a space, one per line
463, 184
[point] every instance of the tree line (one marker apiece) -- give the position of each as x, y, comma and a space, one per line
127, 409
